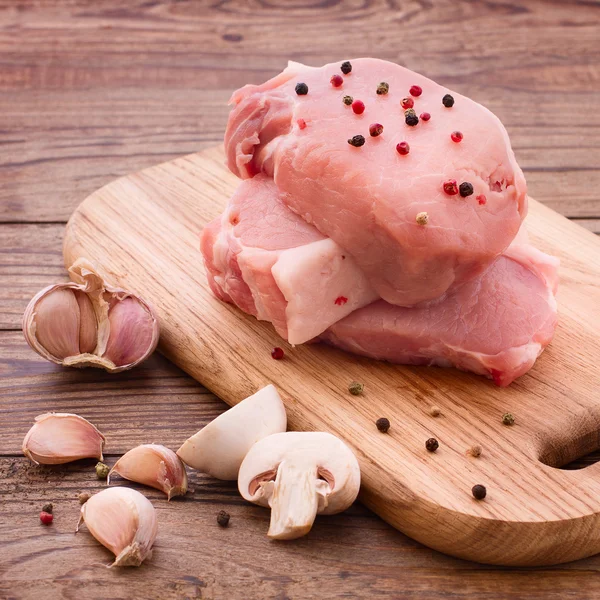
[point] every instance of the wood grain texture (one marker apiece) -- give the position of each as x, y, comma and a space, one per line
144, 228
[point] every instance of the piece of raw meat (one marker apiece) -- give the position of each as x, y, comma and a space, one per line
259, 253
366, 198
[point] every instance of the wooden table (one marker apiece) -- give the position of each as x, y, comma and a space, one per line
93, 90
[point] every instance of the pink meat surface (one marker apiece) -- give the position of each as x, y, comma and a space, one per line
272, 264
366, 198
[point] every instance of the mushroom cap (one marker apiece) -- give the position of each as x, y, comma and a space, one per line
332, 460
219, 448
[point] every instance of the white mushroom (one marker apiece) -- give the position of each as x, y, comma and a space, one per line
299, 475
220, 447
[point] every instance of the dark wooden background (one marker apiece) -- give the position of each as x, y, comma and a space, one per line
90, 90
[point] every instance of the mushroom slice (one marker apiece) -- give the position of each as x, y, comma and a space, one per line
299, 475
220, 447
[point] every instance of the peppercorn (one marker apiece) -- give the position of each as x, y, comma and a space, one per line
465, 189
340, 300
83, 497
301, 123
355, 388
481, 199
357, 141
425, 116
407, 102
46, 518
415, 90
358, 106
383, 424
347, 100
375, 129
336, 80
102, 470
383, 88
277, 353
508, 419
451, 187
301, 89
402, 148
223, 518
412, 120
479, 492
475, 451
346, 67
435, 411
456, 136
47, 508
422, 218
432, 445
448, 101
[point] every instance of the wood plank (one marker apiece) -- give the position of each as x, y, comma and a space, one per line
120, 88
590, 224
129, 226
353, 555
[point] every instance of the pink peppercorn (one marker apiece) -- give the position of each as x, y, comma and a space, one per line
358, 106
302, 123
341, 300
336, 80
375, 129
415, 90
456, 136
46, 518
451, 187
403, 148
481, 199
407, 102
277, 353
425, 116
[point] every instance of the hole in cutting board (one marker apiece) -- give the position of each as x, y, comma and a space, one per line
574, 453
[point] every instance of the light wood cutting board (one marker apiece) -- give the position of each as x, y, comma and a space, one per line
142, 232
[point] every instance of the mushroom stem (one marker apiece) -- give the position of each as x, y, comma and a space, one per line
295, 500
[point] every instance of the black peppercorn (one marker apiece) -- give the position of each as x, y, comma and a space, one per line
357, 141
223, 518
465, 189
479, 492
301, 89
347, 100
432, 444
383, 424
346, 67
383, 88
448, 101
411, 120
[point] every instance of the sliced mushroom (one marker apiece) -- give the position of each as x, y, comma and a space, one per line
299, 475
220, 447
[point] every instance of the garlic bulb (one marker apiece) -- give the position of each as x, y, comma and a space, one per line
58, 438
153, 465
86, 323
124, 521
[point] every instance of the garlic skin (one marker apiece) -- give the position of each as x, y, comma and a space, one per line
124, 521
58, 438
155, 466
86, 323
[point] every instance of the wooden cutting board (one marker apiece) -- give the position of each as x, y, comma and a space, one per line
142, 232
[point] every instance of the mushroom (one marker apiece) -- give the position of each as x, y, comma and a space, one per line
299, 475
220, 447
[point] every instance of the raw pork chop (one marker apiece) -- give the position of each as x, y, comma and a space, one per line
366, 198
259, 254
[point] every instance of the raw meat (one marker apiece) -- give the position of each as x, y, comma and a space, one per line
272, 264
366, 198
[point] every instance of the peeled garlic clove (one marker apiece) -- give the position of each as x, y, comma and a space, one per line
56, 320
131, 332
153, 465
124, 521
88, 327
58, 438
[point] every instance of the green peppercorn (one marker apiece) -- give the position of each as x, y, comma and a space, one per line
102, 470
348, 100
48, 508
410, 112
355, 388
301, 89
357, 141
383, 88
508, 419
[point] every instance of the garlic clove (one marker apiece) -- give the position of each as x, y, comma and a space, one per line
88, 326
153, 465
131, 332
56, 321
124, 521
58, 438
